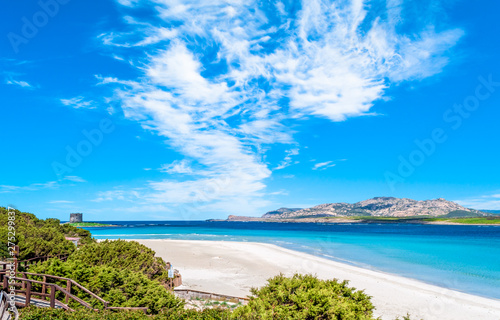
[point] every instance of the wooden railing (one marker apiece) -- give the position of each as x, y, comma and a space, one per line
26, 289
28, 262
4, 305
190, 293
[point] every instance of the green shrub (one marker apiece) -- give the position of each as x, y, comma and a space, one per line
207, 314
122, 254
120, 287
306, 297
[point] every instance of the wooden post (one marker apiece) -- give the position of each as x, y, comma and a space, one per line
5, 284
43, 285
28, 294
68, 288
52, 296
16, 255
23, 284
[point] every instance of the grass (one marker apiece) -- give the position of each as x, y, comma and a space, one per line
473, 220
89, 224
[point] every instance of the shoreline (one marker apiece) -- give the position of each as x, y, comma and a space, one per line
232, 268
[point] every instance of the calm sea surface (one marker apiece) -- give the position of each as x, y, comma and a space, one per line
465, 258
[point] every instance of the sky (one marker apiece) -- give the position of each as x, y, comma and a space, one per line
189, 110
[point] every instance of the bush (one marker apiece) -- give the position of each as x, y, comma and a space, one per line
121, 287
306, 297
122, 254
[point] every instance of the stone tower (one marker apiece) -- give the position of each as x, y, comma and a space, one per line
75, 217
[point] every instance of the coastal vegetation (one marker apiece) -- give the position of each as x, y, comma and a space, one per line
121, 254
36, 237
124, 273
306, 297
301, 297
127, 274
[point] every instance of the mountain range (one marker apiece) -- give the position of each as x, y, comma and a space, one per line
378, 207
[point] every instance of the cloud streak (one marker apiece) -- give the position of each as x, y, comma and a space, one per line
486, 202
41, 186
324, 165
78, 103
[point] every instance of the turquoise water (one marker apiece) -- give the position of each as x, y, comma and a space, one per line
465, 258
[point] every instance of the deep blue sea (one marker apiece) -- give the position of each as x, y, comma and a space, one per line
465, 258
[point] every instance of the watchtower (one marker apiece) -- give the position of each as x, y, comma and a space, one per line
75, 217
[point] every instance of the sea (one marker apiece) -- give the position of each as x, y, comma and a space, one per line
460, 257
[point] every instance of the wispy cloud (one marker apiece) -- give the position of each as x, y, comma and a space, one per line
323, 165
177, 167
40, 186
60, 202
486, 202
78, 102
287, 161
117, 194
19, 83
13, 77
220, 79
74, 179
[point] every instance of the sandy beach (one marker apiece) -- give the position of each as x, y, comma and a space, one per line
232, 268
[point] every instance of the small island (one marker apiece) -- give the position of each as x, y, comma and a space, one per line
76, 220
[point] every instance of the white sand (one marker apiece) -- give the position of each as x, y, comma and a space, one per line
232, 268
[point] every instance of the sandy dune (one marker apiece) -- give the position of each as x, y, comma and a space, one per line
232, 268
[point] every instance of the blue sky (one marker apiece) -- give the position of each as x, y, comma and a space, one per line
166, 109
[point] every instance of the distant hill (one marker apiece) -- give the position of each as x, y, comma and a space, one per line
281, 211
379, 207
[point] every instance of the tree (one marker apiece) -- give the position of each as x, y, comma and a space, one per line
306, 297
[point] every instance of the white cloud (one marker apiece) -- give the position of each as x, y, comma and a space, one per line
177, 167
74, 179
78, 102
113, 195
323, 165
287, 161
20, 83
486, 202
41, 186
220, 85
128, 3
